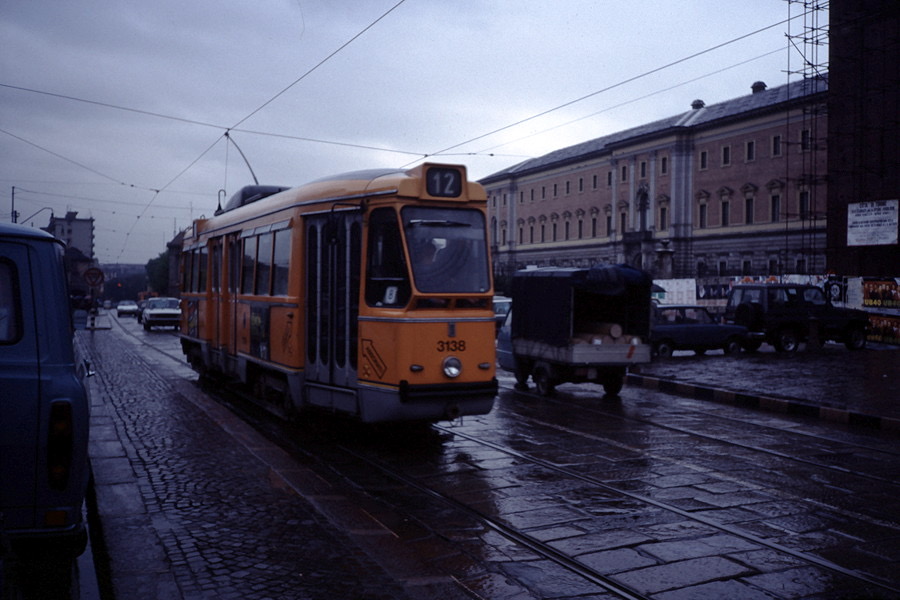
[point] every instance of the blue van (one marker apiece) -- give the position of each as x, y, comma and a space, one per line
44, 404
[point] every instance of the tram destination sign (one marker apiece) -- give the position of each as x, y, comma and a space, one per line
872, 223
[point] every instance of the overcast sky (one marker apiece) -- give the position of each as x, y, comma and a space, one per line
117, 109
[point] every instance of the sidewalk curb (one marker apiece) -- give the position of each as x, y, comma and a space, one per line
768, 403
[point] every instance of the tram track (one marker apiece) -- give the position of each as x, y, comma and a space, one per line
608, 583
793, 433
335, 457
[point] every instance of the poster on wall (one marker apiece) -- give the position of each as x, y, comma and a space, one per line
872, 223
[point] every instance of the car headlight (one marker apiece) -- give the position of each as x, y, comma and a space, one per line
452, 367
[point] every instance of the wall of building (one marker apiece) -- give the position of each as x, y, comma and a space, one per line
695, 195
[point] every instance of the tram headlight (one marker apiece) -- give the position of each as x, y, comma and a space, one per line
452, 367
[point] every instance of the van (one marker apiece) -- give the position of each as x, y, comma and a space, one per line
44, 403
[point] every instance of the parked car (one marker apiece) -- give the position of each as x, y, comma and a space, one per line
502, 304
127, 308
785, 315
44, 403
690, 327
161, 312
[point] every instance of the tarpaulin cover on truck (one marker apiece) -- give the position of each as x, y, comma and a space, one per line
551, 304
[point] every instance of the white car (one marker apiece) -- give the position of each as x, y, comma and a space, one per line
161, 312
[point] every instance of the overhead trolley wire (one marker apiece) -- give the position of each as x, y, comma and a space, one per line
611, 87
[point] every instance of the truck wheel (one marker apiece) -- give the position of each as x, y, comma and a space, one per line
855, 338
522, 372
613, 384
543, 382
787, 340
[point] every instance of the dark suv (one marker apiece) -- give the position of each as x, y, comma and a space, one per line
784, 315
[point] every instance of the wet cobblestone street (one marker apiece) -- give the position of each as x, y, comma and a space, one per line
650, 496
188, 513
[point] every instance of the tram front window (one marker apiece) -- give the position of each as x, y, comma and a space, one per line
447, 249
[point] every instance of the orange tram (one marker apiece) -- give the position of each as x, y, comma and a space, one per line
367, 294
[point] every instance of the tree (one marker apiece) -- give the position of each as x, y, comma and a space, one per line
158, 273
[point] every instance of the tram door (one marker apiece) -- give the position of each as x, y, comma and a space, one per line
333, 255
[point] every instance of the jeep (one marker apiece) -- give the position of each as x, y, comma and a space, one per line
785, 315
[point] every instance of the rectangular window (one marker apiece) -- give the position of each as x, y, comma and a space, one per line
186, 270
663, 218
554, 232
608, 225
748, 211
623, 218
594, 182
609, 179
624, 173
726, 213
281, 261
195, 271
593, 226
726, 156
776, 208
202, 268
702, 216
750, 151
568, 188
723, 267
746, 267
10, 304
216, 265
664, 165
704, 160
776, 145
804, 205
805, 140
247, 266
264, 265
581, 184
555, 190
643, 168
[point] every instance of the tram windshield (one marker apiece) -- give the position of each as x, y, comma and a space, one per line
447, 249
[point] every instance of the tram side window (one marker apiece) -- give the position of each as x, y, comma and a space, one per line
9, 304
263, 264
281, 260
247, 265
186, 271
387, 282
201, 269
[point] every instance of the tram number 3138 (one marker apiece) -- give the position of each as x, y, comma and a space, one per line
451, 346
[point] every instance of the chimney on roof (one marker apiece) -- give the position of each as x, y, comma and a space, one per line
758, 87
698, 104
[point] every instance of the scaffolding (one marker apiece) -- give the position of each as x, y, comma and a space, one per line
809, 48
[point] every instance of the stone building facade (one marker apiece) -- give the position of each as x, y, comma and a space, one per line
734, 188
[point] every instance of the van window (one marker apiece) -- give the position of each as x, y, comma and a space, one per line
10, 310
